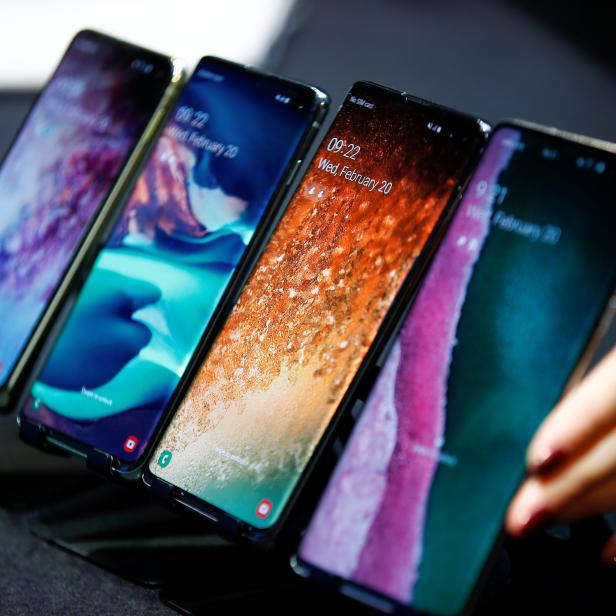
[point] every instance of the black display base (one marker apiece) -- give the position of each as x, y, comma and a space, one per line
123, 531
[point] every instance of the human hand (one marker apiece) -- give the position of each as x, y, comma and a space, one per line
572, 459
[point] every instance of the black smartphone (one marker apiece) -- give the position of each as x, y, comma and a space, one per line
253, 419
61, 181
514, 299
186, 238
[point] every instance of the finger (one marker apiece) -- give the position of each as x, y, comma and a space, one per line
528, 510
541, 499
581, 417
608, 555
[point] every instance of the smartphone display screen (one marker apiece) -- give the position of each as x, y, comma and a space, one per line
516, 289
264, 396
157, 282
61, 167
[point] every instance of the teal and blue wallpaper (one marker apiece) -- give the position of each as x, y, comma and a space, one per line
156, 283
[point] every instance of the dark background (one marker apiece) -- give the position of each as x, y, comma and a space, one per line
550, 62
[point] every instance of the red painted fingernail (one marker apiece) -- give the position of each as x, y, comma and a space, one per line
536, 520
549, 463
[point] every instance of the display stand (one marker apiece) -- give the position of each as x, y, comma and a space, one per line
195, 571
120, 529
123, 531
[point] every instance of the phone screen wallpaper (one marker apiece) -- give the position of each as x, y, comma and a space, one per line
265, 394
59, 170
418, 497
156, 283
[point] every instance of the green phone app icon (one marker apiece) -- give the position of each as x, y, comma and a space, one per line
165, 458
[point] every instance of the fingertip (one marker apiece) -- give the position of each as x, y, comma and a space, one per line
526, 522
515, 517
540, 449
546, 450
529, 510
512, 526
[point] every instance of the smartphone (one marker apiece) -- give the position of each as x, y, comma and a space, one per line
252, 420
61, 181
504, 319
189, 232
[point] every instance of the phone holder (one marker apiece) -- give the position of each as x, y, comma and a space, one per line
122, 530
195, 571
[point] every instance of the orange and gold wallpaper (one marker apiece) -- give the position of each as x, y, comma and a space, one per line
266, 392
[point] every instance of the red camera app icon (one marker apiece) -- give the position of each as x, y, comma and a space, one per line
264, 508
130, 444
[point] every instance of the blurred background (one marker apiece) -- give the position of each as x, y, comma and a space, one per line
550, 62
